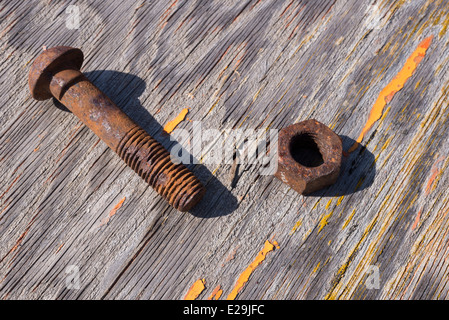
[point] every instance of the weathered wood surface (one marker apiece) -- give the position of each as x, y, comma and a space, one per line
66, 200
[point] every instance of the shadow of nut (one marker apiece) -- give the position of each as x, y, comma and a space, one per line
309, 156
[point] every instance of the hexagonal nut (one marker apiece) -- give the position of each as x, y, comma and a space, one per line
309, 156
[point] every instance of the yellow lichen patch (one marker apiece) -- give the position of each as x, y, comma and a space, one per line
387, 143
244, 277
348, 220
359, 183
197, 287
333, 293
444, 24
171, 125
398, 82
295, 227
323, 221
214, 105
306, 234
417, 84
316, 268
340, 200
316, 204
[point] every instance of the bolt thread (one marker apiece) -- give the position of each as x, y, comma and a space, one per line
151, 161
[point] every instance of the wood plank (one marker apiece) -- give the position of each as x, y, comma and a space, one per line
66, 200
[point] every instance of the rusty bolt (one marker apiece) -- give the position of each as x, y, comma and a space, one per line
55, 73
309, 156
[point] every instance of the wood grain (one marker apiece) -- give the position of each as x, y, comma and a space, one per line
234, 64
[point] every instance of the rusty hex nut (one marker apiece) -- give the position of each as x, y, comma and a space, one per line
309, 156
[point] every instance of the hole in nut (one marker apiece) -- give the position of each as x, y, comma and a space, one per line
305, 150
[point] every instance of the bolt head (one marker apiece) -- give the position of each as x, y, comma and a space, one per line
48, 63
309, 156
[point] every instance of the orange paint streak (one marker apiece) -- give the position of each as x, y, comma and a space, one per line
216, 294
418, 217
395, 85
112, 212
435, 172
171, 125
197, 287
244, 277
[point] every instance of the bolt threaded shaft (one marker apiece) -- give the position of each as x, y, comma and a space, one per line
151, 161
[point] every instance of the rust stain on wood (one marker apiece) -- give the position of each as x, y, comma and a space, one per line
19, 241
60, 247
112, 212
10, 186
21, 237
166, 15
216, 293
231, 255
94, 145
